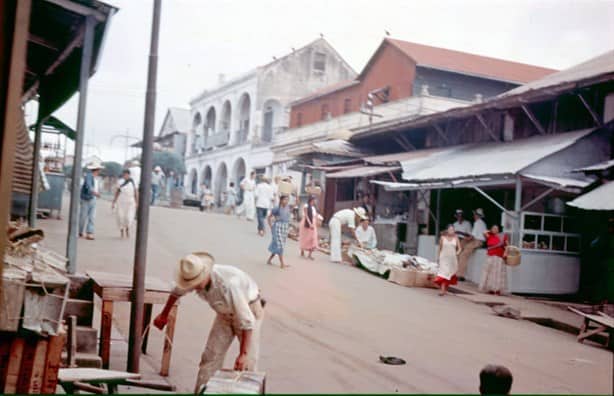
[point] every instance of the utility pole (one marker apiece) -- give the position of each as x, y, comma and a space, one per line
140, 251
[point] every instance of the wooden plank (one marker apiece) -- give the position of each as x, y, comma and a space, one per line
71, 341
488, 128
12, 371
38, 367
27, 364
588, 332
592, 112
113, 280
151, 297
533, 119
94, 375
106, 322
52, 365
5, 356
168, 342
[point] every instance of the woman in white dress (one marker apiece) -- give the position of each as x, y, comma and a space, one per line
124, 203
249, 203
449, 249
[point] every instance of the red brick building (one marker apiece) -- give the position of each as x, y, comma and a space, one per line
399, 69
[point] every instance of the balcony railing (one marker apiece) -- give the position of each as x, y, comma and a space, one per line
217, 140
242, 136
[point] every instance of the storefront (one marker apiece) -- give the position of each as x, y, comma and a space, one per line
522, 185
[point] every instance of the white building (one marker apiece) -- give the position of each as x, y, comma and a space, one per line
233, 124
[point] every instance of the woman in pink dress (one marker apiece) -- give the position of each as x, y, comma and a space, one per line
308, 230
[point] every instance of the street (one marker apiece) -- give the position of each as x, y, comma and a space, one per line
326, 325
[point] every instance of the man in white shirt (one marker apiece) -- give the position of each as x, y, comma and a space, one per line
235, 298
366, 235
344, 217
474, 241
265, 195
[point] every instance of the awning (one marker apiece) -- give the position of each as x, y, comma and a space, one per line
561, 182
494, 160
55, 125
601, 198
362, 171
602, 166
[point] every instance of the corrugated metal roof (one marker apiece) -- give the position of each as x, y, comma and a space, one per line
476, 65
601, 65
396, 158
487, 159
564, 182
598, 199
338, 147
362, 171
597, 167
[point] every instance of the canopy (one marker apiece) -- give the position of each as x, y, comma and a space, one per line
362, 171
601, 198
55, 125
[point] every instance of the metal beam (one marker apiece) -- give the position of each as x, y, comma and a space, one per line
488, 129
539, 197
140, 249
517, 210
75, 198
76, 42
402, 144
533, 119
407, 142
77, 8
491, 199
592, 112
440, 132
41, 42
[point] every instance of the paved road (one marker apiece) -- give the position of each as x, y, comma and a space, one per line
326, 324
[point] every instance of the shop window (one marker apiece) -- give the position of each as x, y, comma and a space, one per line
540, 231
347, 106
345, 190
324, 112
319, 62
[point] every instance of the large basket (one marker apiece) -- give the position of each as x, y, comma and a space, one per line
285, 188
513, 256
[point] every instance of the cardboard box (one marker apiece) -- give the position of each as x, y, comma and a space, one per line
403, 276
236, 382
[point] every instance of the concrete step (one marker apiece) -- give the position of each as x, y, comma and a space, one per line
87, 339
89, 360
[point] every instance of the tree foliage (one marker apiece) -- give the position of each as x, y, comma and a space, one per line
169, 161
111, 169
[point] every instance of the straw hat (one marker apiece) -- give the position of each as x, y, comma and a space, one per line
94, 165
479, 212
193, 269
157, 168
458, 212
361, 212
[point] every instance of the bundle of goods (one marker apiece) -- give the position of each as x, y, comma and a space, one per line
512, 256
226, 382
285, 187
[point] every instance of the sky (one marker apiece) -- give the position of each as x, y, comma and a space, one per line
200, 39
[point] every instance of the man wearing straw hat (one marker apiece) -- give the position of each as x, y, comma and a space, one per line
344, 217
235, 297
473, 241
89, 192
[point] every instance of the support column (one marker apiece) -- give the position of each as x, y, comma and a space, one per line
35, 170
140, 251
517, 209
438, 215
75, 198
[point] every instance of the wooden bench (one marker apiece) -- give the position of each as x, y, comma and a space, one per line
100, 381
595, 324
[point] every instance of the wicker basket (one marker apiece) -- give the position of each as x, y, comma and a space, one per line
285, 188
513, 256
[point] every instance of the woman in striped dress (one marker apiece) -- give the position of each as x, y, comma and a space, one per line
279, 230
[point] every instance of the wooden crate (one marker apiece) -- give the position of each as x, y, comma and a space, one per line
236, 382
29, 363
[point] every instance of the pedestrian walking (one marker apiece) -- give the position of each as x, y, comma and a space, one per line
474, 241
231, 199
124, 203
308, 229
495, 380
366, 234
264, 197
157, 178
279, 221
235, 298
248, 184
347, 218
207, 200
449, 248
494, 273
90, 191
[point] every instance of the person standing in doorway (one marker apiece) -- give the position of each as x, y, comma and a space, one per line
449, 248
264, 200
462, 227
125, 201
248, 184
90, 191
235, 298
344, 217
308, 229
279, 230
474, 241
157, 178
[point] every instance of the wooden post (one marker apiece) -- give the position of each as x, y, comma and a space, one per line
52, 365
106, 323
168, 342
38, 367
146, 322
38, 137
517, 209
71, 344
12, 371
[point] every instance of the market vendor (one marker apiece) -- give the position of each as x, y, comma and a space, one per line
472, 242
344, 217
235, 297
366, 234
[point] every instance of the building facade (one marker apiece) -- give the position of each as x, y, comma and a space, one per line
234, 124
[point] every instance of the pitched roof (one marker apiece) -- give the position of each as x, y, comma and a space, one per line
471, 64
181, 117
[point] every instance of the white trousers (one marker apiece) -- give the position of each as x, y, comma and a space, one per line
334, 228
249, 204
223, 331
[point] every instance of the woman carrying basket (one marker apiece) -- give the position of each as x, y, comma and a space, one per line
494, 273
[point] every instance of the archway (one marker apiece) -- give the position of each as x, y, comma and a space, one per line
271, 119
239, 170
210, 122
196, 127
226, 117
193, 181
245, 108
221, 181
206, 176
